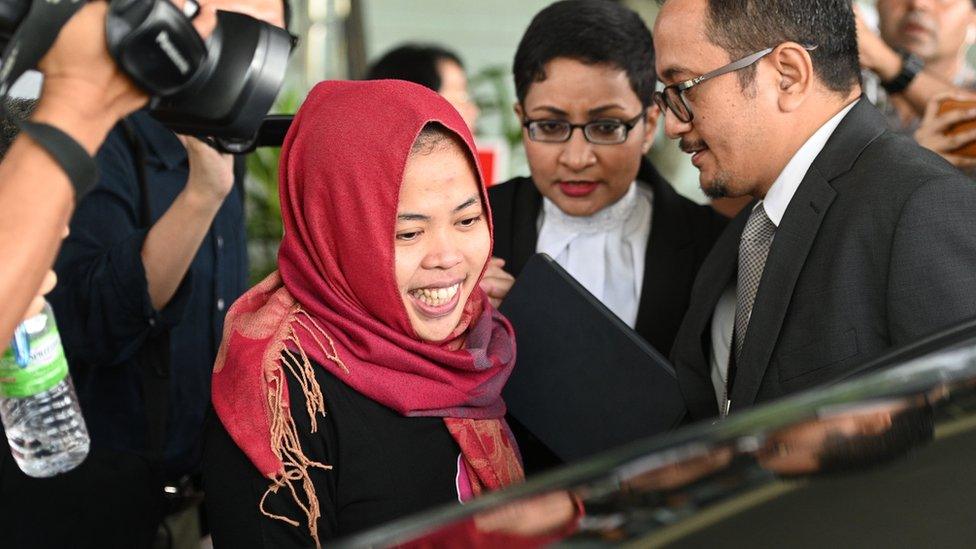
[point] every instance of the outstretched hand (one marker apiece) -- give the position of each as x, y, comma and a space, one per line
496, 282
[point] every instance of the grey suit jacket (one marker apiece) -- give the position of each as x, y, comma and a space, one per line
876, 249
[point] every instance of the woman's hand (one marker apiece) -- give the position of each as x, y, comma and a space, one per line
874, 53
496, 282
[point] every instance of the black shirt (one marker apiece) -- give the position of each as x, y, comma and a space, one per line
385, 466
102, 302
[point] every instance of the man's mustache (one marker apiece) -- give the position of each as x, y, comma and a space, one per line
689, 146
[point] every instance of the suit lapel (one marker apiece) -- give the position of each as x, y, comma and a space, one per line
791, 245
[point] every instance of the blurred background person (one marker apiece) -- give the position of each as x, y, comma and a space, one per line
433, 67
441, 70
916, 59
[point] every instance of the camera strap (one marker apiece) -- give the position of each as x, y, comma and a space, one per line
153, 358
42, 24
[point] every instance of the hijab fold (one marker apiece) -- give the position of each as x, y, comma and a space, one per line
335, 302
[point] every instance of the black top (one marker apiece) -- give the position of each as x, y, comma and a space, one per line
102, 302
682, 233
385, 466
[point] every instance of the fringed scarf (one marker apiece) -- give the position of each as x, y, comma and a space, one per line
335, 301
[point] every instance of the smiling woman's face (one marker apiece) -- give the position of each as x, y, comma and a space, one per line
442, 240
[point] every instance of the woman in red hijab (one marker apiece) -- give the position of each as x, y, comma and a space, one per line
361, 382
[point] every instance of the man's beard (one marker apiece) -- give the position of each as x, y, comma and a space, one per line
719, 187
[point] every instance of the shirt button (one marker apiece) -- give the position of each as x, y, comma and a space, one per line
220, 304
220, 242
152, 322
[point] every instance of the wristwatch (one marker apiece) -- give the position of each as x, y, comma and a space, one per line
911, 65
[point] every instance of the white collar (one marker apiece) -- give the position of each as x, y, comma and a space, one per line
605, 251
781, 193
610, 217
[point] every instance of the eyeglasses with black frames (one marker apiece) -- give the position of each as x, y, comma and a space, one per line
606, 131
672, 98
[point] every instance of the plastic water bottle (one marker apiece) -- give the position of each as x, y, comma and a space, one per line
38, 405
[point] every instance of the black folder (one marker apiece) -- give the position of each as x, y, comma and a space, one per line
584, 381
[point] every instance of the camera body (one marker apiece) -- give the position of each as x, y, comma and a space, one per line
221, 87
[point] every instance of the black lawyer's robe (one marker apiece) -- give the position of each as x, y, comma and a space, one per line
682, 233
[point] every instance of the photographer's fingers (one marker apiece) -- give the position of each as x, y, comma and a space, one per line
943, 122
961, 139
211, 172
961, 162
269, 11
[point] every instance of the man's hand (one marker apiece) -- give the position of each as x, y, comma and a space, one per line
931, 132
496, 282
875, 54
176, 237
211, 173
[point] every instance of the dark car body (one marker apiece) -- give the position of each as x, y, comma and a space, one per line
883, 458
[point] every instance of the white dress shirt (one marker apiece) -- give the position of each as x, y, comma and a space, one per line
604, 251
776, 201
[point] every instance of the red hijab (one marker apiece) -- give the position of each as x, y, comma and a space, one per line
335, 299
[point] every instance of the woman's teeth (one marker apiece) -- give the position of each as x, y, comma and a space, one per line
435, 297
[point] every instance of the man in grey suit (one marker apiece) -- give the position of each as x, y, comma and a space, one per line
858, 239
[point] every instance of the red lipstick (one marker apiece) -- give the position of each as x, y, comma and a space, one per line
577, 189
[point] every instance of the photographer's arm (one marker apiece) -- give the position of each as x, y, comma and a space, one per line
886, 63
175, 239
84, 94
877, 56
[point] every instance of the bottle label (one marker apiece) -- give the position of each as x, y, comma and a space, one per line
45, 369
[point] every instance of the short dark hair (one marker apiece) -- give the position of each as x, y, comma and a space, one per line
592, 32
415, 63
742, 27
16, 110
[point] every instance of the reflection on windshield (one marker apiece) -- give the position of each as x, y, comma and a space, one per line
839, 444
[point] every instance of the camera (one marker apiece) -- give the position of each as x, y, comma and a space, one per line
221, 87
